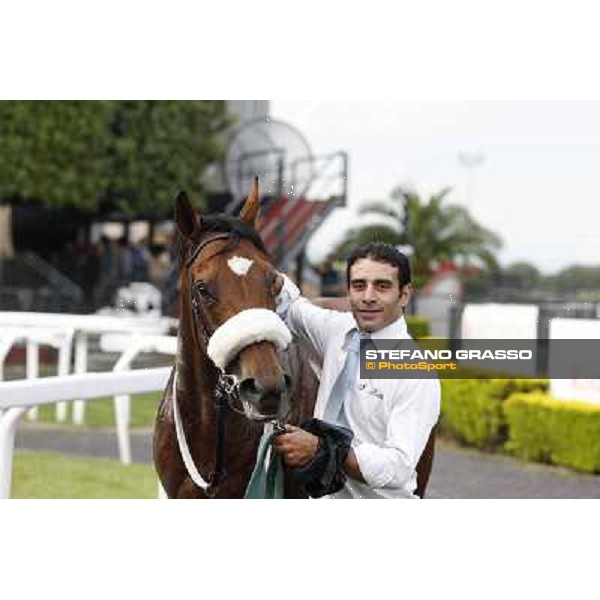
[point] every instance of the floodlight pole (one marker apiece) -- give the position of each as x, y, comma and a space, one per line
470, 160
281, 222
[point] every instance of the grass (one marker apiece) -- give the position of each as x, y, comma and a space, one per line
48, 475
101, 413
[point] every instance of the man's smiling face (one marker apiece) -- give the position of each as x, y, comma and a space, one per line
375, 295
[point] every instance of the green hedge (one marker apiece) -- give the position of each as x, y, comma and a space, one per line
418, 327
473, 410
518, 415
503, 388
545, 429
471, 414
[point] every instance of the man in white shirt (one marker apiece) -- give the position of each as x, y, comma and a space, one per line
391, 418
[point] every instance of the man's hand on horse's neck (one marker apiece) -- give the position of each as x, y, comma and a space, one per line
332, 303
278, 284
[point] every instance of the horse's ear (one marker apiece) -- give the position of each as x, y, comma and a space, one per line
249, 211
186, 218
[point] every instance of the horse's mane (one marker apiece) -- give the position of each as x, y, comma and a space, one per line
220, 224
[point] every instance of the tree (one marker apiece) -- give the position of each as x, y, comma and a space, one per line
158, 148
577, 278
521, 275
54, 152
134, 155
434, 231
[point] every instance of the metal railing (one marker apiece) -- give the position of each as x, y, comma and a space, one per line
54, 277
17, 397
28, 282
84, 326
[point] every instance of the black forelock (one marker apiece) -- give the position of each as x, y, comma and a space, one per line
223, 224
240, 229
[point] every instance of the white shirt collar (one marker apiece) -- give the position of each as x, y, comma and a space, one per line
395, 330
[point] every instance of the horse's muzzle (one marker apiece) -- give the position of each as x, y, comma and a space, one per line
265, 397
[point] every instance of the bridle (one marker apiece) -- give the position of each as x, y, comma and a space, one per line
197, 308
227, 388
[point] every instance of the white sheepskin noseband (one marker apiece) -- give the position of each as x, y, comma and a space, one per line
247, 327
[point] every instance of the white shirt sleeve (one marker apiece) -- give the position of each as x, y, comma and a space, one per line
410, 423
305, 319
288, 294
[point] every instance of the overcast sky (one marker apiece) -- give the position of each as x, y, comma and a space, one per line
538, 185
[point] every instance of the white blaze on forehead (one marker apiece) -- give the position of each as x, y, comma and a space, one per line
239, 265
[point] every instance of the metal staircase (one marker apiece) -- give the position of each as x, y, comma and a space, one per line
29, 283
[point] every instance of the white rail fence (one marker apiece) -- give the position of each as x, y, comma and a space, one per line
17, 397
130, 347
80, 326
33, 337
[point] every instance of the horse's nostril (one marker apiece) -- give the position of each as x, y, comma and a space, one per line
251, 387
264, 394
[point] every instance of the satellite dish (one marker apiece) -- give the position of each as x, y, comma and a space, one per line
275, 151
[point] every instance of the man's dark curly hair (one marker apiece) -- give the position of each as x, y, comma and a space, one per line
381, 252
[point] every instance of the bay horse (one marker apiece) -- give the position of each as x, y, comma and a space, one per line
231, 345
235, 367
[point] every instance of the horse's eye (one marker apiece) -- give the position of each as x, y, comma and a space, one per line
202, 290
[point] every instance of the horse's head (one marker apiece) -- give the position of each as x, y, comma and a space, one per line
227, 289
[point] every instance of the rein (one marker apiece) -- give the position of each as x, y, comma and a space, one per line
221, 396
227, 387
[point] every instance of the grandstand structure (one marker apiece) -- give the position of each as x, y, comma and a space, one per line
299, 189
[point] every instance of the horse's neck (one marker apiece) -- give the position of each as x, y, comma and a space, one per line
196, 375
